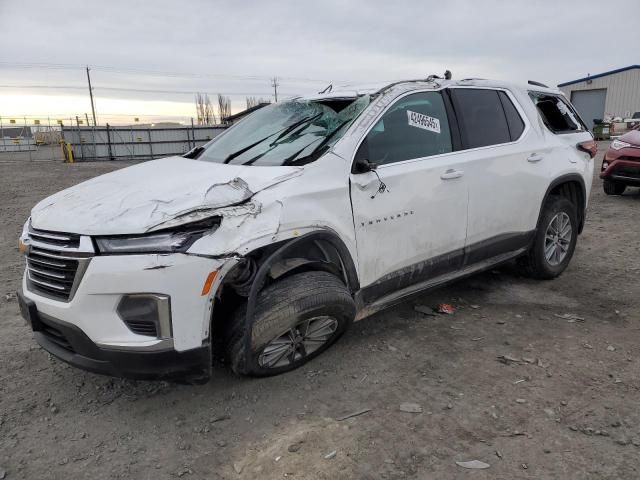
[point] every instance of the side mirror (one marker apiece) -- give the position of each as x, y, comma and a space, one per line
361, 163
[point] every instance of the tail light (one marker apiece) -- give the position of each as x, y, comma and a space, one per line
590, 147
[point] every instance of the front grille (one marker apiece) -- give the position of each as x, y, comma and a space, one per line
53, 263
627, 171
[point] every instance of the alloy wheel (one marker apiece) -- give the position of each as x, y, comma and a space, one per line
298, 342
557, 239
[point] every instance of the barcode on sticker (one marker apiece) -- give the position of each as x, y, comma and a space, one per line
425, 122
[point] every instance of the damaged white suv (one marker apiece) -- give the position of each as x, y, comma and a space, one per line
268, 242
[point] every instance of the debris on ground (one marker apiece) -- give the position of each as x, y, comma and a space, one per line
611, 348
410, 408
354, 414
508, 359
3, 474
184, 471
446, 308
219, 418
570, 317
330, 455
237, 467
520, 400
473, 464
294, 447
425, 310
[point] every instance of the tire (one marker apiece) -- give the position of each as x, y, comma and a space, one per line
536, 262
613, 188
317, 303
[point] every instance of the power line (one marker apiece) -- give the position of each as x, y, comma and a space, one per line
112, 69
139, 90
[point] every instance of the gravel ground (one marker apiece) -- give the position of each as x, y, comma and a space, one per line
562, 403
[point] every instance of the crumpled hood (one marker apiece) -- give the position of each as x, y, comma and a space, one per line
141, 198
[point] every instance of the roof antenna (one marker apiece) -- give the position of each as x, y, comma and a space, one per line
448, 75
328, 89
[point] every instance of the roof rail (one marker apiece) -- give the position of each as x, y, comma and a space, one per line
537, 84
393, 84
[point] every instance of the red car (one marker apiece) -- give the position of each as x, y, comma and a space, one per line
621, 163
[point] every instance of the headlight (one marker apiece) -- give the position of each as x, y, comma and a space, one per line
619, 145
24, 236
168, 241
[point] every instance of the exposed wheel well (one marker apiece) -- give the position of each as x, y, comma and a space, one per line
314, 252
574, 191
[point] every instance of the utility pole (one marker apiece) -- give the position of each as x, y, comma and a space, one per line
93, 108
275, 84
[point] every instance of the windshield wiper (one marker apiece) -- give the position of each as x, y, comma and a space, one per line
295, 125
194, 152
233, 155
316, 152
285, 132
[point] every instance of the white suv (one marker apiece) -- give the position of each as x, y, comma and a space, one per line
268, 242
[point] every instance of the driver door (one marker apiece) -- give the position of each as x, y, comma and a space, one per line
410, 214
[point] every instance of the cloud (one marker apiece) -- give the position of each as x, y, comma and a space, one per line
236, 47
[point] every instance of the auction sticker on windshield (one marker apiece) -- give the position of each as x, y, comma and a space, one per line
423, 121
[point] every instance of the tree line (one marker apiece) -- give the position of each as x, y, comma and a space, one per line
206, 109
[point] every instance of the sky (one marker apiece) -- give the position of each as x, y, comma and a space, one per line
148, 58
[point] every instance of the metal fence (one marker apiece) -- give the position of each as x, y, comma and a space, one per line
91, 143
25, 139
29, 139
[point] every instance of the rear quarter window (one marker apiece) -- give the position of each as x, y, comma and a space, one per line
514, 120
481, 117
557, 114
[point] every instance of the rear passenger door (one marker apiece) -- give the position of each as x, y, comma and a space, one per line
508, 174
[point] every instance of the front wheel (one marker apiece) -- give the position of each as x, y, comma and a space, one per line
296, 319
613, 188
555, 240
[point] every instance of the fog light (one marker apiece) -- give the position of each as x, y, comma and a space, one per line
605, 165
146, 314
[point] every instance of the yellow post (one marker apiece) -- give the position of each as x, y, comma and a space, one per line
67, 152
70, 151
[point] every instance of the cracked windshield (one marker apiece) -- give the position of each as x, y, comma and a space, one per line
287, 133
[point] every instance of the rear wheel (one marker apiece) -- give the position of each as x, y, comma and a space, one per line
296, 319
555, 240
613, 188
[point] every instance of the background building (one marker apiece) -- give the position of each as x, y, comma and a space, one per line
615, 93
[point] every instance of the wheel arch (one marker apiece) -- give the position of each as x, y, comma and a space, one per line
572, 187
317, 250
349, 272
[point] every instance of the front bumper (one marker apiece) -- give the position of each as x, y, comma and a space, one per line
94, 336
622, 171
70, 344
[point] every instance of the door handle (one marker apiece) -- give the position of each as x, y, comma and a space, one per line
534, 158
451, 174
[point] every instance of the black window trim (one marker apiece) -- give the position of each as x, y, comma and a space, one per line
516, 105
453, 127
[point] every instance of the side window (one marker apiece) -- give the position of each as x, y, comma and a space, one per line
514, 120
481, 117
557, 114
415, 126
